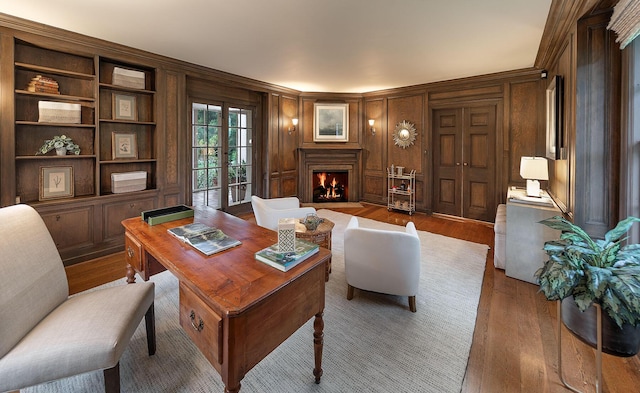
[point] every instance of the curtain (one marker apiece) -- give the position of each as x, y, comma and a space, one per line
625, 21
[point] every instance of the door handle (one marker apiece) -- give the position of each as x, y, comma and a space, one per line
465, 164
457, 164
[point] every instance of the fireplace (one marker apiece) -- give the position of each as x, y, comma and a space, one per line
343, 164
330, 186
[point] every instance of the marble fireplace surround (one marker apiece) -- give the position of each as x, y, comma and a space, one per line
328, 159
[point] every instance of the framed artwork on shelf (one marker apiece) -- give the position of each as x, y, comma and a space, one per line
124, 145
331, 123
56, 182
555, 134
124, 107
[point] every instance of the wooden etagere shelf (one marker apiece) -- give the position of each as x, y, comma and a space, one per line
401, 193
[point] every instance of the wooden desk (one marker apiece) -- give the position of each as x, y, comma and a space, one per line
235, 308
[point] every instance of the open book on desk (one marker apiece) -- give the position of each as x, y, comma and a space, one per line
204, 238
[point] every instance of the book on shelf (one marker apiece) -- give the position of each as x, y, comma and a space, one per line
286, 260
43, 84
206, 239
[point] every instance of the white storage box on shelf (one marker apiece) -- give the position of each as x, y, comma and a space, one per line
128, 78
58, 112
128, 181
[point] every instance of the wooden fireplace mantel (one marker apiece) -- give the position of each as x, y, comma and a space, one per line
338, 158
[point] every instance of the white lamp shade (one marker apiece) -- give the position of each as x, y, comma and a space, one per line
534, 168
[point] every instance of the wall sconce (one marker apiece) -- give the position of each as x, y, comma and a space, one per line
371, 123
294, 121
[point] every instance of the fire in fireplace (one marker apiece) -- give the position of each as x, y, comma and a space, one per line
330, 186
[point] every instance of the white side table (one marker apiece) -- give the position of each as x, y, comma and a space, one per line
525, 236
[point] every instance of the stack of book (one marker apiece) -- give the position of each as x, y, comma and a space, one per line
204, 238
43, 84
284, 261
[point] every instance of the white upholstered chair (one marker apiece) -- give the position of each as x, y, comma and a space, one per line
269, 211
45, 334
382, 261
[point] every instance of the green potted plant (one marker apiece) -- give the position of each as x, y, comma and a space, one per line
61, 144
582, 271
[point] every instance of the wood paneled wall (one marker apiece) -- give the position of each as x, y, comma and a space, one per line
277, 150
597, 143
519, 101
585, 181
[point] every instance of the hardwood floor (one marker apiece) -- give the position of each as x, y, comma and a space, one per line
515, 340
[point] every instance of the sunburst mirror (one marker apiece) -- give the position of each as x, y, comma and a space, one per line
404, 134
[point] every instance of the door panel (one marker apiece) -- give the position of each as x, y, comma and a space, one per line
447, 153
479, 163
464, 161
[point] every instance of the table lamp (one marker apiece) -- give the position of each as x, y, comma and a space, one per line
534, 169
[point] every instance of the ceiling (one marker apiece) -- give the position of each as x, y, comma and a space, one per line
338, 46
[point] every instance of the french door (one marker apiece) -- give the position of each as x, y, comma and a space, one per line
221, 154
464, 162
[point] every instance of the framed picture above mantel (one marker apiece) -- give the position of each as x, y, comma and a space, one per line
331, 122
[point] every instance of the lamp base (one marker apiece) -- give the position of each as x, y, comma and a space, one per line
533, 188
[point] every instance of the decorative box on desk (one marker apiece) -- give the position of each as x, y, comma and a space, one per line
128, 181
165, 214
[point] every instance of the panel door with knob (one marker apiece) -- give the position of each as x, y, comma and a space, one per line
464, 161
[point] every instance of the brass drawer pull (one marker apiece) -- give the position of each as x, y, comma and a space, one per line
130, 252
200, 325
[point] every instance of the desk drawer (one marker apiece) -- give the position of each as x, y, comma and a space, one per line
202, 325
133, 252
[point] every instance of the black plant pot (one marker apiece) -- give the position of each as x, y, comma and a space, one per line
623, 342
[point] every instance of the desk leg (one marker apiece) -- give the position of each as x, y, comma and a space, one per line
229, 390
318, 340
131, 274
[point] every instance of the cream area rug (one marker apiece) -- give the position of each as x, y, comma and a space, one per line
372, 343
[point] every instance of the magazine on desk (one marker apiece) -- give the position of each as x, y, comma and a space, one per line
286, 260
204, 238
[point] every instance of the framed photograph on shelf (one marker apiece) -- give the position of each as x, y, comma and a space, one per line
56, 182
331, 123
555, 135
124, 107
124, 145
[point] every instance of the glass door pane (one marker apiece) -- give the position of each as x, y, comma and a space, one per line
206, 148
240, 162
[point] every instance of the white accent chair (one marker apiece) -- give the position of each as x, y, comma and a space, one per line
382, 261
269, 211
45, 334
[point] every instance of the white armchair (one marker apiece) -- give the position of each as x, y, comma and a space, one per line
382, 261
269, 211
47, 335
